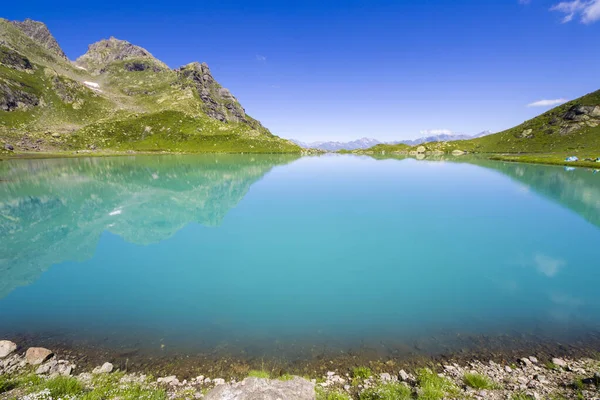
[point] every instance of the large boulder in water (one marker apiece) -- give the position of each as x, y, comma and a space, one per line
264, 389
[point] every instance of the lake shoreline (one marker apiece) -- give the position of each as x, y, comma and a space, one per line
310, 360
533, 376
543, 159
128, 153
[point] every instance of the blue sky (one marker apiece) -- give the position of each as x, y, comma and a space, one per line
338, 70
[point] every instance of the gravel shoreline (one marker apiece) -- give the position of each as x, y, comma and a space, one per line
523, 378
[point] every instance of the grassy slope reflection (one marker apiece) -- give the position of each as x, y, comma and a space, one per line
577, 189
55, 210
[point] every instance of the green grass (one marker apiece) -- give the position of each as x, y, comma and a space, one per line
176, 131
6, 384
551, 365
520, 396
103, 387
389, 391
435, 387
288, 377
361, 372
549, 159
322, 394
259, 374
62, 386
478, 381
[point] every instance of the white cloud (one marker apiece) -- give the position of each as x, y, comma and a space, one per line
588, 11
433, 132
547, 103
547, 265
261, 58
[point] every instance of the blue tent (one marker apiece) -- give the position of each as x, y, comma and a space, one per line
571, 159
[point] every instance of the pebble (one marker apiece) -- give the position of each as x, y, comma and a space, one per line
526, 361
404, 377
169, 380
385, 377
559, 362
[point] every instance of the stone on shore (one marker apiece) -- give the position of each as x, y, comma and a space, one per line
55, 367
37, 355
559, 362
106, 368
169, 380
264, 389
6, 348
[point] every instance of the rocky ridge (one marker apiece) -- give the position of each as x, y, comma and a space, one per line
106, 51
39, 32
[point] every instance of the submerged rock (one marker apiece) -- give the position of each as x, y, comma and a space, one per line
37, 355
7, 347
264, 389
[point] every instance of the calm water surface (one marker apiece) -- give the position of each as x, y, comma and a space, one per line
255, 254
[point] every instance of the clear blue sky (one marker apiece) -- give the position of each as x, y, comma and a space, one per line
346, 69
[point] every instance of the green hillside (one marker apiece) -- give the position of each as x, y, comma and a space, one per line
570, 129
115, 97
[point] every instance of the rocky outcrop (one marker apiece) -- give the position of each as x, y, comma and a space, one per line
576, 118
138, 66
219, 103
264, 389
12, 98
38, 32
14, 60
582, 113
106, 51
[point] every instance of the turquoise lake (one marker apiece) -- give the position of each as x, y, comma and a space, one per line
275, 254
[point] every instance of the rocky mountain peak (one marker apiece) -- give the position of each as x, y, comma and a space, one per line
219, 103
39, 32
105, 51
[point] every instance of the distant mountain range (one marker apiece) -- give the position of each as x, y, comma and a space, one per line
365, 143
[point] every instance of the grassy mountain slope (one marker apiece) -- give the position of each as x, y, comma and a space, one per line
117, 96
572, 128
